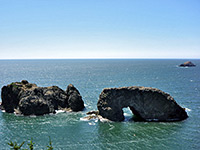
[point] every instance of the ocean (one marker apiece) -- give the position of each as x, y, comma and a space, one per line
90, 77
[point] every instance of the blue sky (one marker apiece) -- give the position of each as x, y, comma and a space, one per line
41, 29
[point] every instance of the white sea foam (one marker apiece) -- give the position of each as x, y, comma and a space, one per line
18, 114
92, 123
104, 119
181, 67
111, 127
49, 114
127, 114
188, 110
91, 117
33, 116
152, 120
59, 111
84, 119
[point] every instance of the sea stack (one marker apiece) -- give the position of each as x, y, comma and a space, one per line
29, 99
187, 64
146, 103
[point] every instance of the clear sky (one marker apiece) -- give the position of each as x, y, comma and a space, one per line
32, 29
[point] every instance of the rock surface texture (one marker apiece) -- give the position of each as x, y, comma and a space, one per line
147, 104
29, 99
187, 64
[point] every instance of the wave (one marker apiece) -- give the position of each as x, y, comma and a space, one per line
59, 111
187, 110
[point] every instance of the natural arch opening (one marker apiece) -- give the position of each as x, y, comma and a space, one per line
136, 115
130, 114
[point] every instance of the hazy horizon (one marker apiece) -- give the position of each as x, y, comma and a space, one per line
90, 58
103, 29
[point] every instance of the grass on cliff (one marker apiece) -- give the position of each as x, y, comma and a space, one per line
14, 85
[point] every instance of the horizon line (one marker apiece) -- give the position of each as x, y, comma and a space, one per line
85, 58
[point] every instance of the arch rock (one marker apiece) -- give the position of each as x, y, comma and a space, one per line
146, 103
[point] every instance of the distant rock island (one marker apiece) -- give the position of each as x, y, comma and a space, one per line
146, 103
29, 99
187, 64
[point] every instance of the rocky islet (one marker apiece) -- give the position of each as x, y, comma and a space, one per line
29, 99
146, 103
187, 64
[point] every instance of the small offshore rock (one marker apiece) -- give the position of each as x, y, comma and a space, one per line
187, 64
96, 112
92, 115
89, 117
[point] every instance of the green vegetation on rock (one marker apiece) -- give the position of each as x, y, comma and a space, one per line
14, 85
15, 146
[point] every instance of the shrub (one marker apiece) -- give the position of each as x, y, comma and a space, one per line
15, 146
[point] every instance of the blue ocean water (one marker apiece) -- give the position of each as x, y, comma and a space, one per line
67, 131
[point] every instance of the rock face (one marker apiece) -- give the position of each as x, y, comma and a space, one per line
147, 104
187, 64
74, 98
29, 99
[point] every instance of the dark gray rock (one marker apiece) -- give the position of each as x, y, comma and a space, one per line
93, 112
34, 105
29, 99
147, 104
187, 64
74, 98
